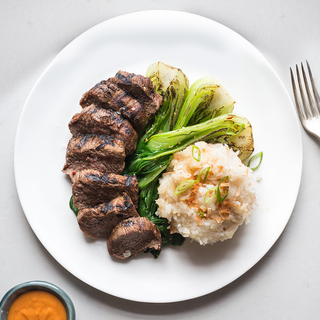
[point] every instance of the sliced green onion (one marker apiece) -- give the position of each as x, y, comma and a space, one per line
219, 198
260, 154
184, 186
187, 184
235, 129
199, 153
206, 175
208, 197
201, 214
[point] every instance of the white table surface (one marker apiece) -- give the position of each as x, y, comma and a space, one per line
285, 284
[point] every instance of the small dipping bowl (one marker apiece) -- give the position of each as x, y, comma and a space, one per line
16, 291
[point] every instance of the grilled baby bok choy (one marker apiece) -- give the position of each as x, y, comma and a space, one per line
241, 143
173, 85
206, 99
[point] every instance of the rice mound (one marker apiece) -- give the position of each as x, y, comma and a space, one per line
188, 213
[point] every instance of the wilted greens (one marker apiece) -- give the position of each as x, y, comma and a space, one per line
72, 207
186, 116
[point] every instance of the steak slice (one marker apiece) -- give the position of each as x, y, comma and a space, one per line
96, 120
140, 88
99, 221
91, 188
132, 236
99, 152
108, 94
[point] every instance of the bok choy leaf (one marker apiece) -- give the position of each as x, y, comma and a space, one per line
206, 99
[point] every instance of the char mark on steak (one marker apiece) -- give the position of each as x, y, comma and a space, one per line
99, 221
108, 96
94, 120
91, 188
140, 88
99, 152
132, 236
135, 99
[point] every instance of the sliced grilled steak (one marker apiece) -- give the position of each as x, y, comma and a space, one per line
101, 121
109, 95
140, 88
132, 236
91, 188
99, 152
99, 221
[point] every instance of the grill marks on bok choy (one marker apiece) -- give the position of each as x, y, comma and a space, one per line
173, 85
186, 116
206, 99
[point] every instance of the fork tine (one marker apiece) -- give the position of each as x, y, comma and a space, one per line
305, 108
314, 89
308, 110
311, 103
296, 99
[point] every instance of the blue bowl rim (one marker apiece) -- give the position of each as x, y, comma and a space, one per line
21, 288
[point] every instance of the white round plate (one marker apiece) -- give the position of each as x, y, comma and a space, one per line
132, 42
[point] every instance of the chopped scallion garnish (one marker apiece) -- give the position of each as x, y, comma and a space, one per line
187, 184
260, 154
201, 214
198, 158
210, 194
219, 198
206, 170
184, 186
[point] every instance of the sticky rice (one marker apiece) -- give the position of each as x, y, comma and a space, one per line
196, 213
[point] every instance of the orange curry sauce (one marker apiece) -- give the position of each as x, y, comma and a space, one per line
37, 305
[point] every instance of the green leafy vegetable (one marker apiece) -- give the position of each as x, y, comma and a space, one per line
148, 207
206, 99
173, 86
242, 142
72, 207
157, 152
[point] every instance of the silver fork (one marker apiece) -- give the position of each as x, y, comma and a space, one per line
309, 112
